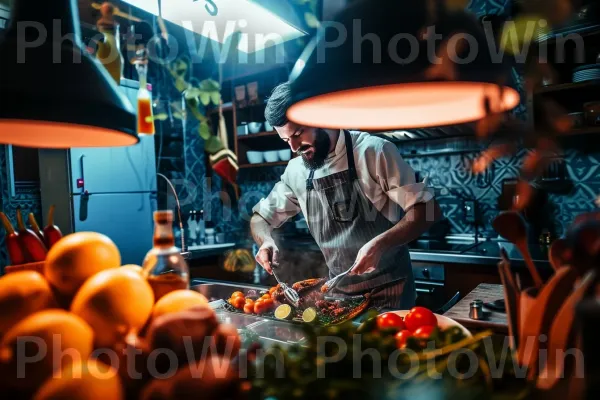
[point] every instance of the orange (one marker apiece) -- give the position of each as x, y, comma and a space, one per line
78, 256
21, 294
178, 300
134, 268
52, 339
114, 302
83, 380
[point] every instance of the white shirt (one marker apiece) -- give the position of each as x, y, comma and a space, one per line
387, 181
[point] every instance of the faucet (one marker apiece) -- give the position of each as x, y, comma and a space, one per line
184, 253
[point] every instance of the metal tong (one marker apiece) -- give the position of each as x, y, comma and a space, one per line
290, 294
333, 282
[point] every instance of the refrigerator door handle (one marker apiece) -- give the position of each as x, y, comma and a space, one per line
81, 180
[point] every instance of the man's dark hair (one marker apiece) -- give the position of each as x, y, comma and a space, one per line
278, 104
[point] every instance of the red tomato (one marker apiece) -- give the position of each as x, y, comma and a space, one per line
268, 304
390, 321
402, 337
259, 307
238, 302
237, 294
249, 306
266, 296
424, 332
418, 317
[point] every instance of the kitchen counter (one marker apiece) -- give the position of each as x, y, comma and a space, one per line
485, 253
496, 321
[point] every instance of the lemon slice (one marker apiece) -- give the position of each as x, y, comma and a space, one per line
309, 315
284, 311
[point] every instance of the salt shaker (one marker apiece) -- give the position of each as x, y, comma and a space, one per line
476, 310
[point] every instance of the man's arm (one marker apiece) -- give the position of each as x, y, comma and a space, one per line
261, 233
271, 212
421, 209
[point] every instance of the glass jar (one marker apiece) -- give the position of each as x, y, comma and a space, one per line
164, 267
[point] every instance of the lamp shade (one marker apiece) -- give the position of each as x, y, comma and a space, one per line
55, 95
391, 64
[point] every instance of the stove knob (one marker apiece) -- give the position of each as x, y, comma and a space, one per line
426, 273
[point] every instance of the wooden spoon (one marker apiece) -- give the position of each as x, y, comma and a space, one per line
562, 334
511, 299
538, 317
512, 227
557, 253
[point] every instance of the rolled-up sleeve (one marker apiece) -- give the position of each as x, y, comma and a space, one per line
397, 179
280, 205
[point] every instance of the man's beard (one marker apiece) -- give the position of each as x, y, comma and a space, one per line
321, 150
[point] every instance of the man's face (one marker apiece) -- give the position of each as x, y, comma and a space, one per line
310, 143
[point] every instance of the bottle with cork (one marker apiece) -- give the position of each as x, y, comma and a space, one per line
164, 267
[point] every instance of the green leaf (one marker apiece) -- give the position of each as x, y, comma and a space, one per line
192, 92
205, 98
216, 98
213, 145
204, 131
311, 20
214, 85
181, 84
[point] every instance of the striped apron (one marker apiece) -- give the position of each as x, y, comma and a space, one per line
342, 220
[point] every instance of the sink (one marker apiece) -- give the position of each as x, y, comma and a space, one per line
200, 247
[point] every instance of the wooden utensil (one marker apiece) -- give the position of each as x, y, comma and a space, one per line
511, 298
512, 227
561, 335
537, 313
557, 253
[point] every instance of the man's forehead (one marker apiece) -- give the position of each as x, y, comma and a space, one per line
288, 129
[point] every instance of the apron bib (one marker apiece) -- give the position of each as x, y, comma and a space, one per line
342, 220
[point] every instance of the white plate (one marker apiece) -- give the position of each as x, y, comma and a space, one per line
443, 322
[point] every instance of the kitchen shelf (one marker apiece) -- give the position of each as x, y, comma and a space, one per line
271, 164
563, 87
257, 135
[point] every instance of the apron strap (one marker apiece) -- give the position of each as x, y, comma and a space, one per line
309, 181
350, 156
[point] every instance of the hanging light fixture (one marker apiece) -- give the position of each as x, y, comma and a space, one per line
55, 95
398, 64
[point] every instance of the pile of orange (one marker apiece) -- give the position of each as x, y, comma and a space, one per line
66, 332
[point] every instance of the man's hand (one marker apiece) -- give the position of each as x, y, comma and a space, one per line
368, 258
268, 254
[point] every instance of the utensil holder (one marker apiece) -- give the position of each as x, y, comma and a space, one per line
34, 266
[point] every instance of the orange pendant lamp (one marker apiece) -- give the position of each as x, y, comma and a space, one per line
380, 65
55, 95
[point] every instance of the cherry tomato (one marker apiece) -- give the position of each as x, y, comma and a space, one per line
402, 337
266, 296
418, 317
249, 306
268, 304
390, 321
258, 306
272, 290
238, 303
424, 332
237, 294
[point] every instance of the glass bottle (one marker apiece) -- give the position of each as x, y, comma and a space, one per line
145, 125
164, 267
109, 49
